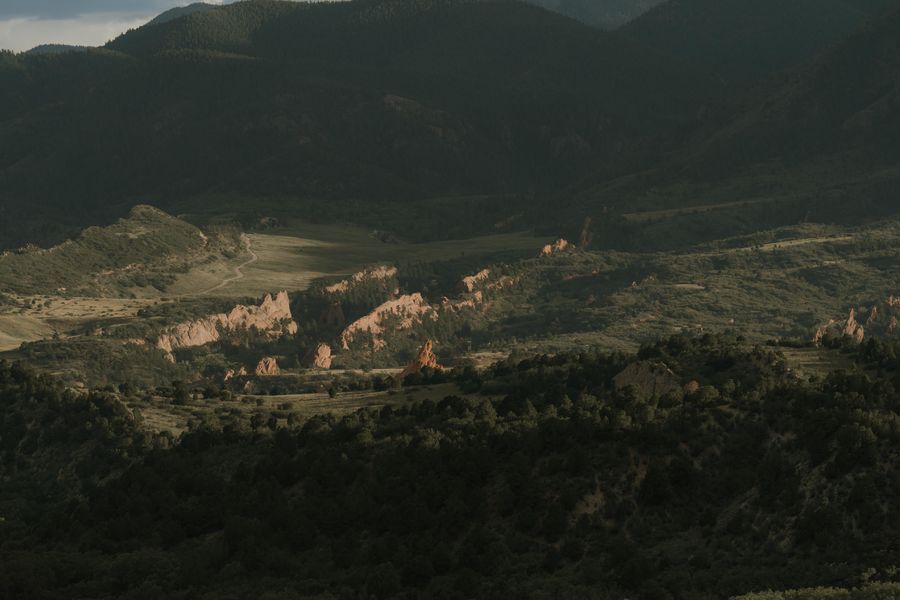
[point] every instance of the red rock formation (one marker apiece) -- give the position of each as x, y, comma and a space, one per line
468, 284
853, 329
375, 273
272, 316
691, 387
230, 374
822, 331
471, 301
873, 316
410, 309
557, 246
892, 326
321, 357
425, 359
267, 366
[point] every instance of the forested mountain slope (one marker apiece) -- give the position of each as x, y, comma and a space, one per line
359, 100
745, 40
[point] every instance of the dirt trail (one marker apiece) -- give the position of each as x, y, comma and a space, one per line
238, 270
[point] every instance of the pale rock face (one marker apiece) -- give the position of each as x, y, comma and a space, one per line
268, 317
822, 331
410, 309
853, 328
502, 283
425, 359
267, 367
189, 335
557, 246
471, 301
321, 357
373, 274
468, 284
231, 374
873, 316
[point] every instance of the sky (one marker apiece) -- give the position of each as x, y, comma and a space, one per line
25, 24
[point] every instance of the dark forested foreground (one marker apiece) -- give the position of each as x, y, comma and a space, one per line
700, 468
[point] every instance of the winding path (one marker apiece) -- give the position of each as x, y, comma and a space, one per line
238, 270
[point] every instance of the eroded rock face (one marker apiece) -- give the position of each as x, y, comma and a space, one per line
853, 329
425, 359
189, 335
374, 274
470, 301
320, 357
231, 374
822, 331
410, 309
557, 246
654, 379
272, 316
873, 316
468, 284
267, 367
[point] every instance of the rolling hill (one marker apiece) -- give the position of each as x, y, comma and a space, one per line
181, 11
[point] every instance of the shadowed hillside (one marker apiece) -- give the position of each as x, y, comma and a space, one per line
742, 40
362, 100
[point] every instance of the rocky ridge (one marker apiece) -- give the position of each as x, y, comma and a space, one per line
425, 359
409, 308
380, 273
272, 316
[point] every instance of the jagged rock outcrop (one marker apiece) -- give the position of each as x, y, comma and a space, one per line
502, 283
822, 331
470, 301
557, 246
426, 359
873, 316
189, 335
267, 367
409, 309
272, 316
654, 379
231, 374
382, 272
320, 358
853, 329
468, 284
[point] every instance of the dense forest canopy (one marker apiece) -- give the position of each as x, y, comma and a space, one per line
747, 479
